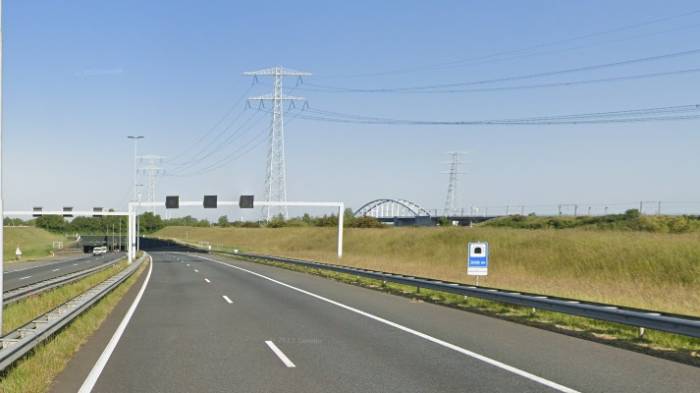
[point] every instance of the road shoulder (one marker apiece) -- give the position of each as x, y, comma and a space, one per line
72, 377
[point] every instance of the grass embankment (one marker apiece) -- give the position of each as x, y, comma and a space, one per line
34, 242
647, 270
35, 373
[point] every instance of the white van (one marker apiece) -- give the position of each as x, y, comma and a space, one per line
99, 250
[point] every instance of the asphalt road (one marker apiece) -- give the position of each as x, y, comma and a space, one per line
203, 326
18, 276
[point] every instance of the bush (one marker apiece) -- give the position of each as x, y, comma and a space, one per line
443, 222
250, 224
632, 213
51, 223
365, 222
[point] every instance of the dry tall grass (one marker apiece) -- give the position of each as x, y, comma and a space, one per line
648, 270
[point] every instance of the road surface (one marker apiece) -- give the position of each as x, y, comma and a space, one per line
18, 276
208, 326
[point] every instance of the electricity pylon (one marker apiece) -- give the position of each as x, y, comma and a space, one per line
454, 170
150, 167
276, 174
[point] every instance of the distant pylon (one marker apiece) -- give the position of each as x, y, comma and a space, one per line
149, 166
276, 174
454, 170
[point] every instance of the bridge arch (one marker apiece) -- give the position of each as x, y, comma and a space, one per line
391, 207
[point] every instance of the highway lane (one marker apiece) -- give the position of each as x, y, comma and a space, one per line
21, 276
204, 326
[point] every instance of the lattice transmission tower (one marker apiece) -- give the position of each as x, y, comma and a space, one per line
149, 165
454, 170
276, 174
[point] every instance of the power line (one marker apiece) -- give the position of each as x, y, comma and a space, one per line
496, 55
236, 104
566, 49
509, 78
195, 156
669, 113
240, 152
542, 85
636, 112
251, 121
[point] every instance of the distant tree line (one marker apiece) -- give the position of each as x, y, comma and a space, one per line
631, 220
349, 221
150, 223
85, 225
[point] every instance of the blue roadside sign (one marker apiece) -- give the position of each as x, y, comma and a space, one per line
478, 258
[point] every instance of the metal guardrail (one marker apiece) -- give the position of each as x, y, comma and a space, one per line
16, 294
672, 323
22, 340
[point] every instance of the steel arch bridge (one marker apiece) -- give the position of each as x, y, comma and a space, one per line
390, 208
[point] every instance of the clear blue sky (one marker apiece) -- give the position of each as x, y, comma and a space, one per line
81, 75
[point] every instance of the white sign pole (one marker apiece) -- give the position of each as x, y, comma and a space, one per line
130, 220
2, 239
132, 240
341, 214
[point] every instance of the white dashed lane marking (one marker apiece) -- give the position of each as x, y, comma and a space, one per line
280, 354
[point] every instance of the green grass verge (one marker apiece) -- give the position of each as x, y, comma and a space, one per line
657, 343
35, 372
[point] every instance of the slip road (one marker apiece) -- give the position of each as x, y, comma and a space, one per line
240, 326
18, 276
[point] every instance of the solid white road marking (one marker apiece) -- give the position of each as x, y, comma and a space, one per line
229, 301
280, 354
94, 375
207, 280
25, 277
422, 335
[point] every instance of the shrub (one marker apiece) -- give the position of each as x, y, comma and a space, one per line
365, 222
632, 213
